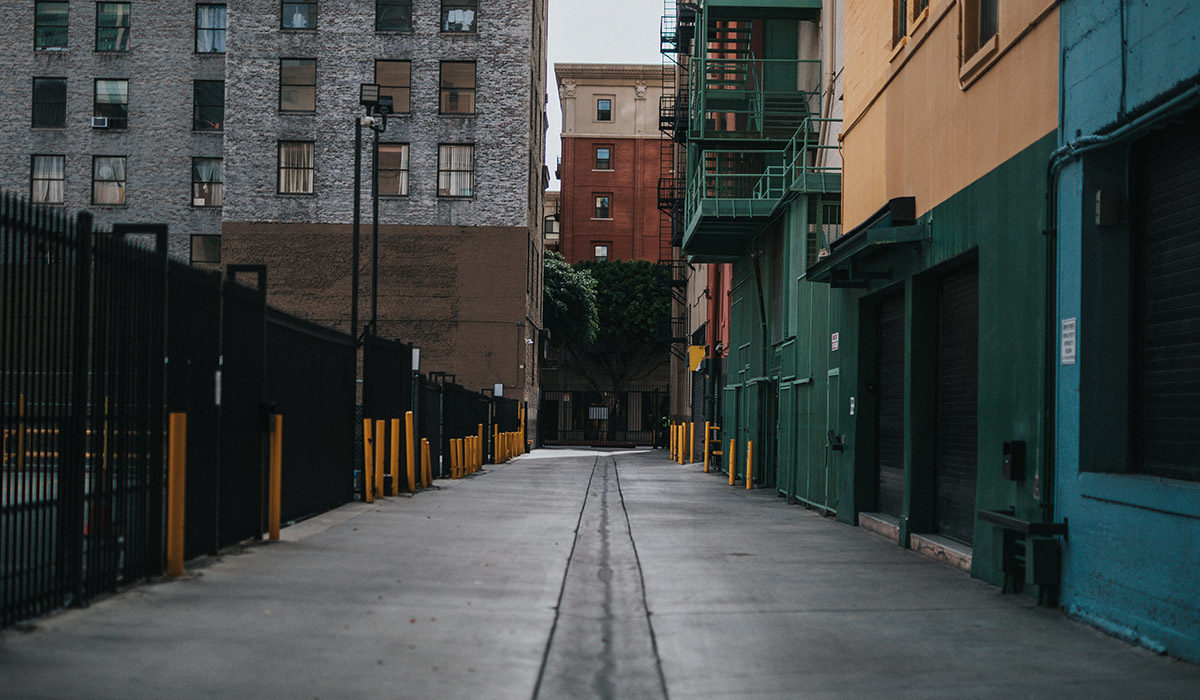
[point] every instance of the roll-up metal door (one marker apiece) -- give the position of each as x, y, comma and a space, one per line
889, 429
956, 442
1166, 337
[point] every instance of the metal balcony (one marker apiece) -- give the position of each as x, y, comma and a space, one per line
732, 193
751, 100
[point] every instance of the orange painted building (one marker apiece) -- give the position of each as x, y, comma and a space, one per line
611, 152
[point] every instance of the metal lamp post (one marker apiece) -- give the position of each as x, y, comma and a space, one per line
377, 107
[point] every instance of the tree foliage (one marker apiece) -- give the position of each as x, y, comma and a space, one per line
569, 308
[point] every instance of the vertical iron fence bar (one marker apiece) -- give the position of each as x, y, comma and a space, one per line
71, 482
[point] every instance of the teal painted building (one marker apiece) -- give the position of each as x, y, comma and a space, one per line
1126, 339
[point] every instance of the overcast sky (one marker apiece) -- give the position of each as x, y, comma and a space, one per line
586, 31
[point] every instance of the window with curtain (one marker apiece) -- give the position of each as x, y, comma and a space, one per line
112, 26
108, 179
49, 103
458, 87
456, 170
603, 206
459, 15
600, 252
208, 182
393, 15
298, 14
394, 79
295, 167
112, 101
46, 179
393, 169
604, 158
208, 105
210, 28
49, 25
297, 85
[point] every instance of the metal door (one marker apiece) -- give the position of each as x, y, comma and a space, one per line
889, 427
956, 443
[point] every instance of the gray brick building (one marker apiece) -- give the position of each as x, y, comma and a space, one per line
233, 122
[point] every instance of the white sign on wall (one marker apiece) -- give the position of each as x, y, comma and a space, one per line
1069, 341
833, 342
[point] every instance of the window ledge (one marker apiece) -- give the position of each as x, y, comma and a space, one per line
297, 195
1171, 496
979, 62
110, 206
604, 170
898, 48
919, 20
393, 31
600, 218
455, 114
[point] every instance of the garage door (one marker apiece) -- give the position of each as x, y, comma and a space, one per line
957, 402
889, 430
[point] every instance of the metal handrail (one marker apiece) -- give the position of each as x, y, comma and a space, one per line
734, 80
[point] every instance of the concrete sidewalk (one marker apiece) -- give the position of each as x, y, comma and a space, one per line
481, 588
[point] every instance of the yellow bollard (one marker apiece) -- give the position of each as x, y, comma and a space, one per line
692, 442
749, 464
479, 447
453, 458
380, 446
368, 461
395, 455
671, 432
275, 499
707, 439
176, 491
425, 462
682, 439
732, 460
409, 460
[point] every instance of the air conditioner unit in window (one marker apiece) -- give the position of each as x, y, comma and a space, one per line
99, 122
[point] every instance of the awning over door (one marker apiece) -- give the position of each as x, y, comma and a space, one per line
848, 261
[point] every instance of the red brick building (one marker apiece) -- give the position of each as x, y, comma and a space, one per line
611, 151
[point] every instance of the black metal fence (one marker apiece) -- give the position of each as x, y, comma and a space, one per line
616, 418
101, 336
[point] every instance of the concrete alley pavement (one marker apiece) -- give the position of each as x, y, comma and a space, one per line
575, 573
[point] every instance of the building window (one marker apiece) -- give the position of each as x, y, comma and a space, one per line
208, 182
112, 26
603, 206
49, 103
604, 109
604, 158
551, 228
459, 15
458, 87
50, 25
46, 179
456, 170
298, 14
979, 25
295, 167
393, 15
206, 248
210, 29
208, 105
297, 85
600, 252
393, 169
394, 79
108, 179
112, 102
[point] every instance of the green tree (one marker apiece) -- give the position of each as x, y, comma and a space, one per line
570, 302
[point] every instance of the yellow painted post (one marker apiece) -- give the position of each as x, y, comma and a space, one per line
682, 440
176, 491
425, 462
458, 454
707, 439
368, 461
479, 446
523, 449
380, 446
395, 455
453, 458
692, 442
749, 464
671, 433
275, 499
409, 459
732, 460
21, 433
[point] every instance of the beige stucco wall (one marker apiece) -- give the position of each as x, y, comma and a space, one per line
918, 125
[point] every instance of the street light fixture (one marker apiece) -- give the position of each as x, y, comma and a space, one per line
377, 108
